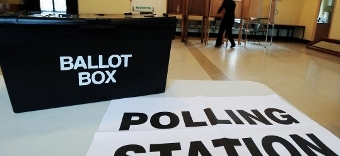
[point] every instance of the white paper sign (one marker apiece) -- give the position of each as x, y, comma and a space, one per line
153, 143
136, 114
215, 141
141, 114
264, 111
209, 126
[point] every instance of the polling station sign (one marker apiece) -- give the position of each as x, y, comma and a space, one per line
262, 125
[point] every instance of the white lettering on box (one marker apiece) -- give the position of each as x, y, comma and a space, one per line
80, 62
119, 61
95, 77
66, 63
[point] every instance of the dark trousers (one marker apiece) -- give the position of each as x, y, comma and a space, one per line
226, 25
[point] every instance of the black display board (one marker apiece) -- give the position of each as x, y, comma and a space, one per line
55, 62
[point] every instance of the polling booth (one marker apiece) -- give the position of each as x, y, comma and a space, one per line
50, 62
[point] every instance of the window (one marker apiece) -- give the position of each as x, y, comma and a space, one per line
53, 5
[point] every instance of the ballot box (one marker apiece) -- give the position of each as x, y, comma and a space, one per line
56, 61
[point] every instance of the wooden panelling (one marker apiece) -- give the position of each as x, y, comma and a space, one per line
255, 7
215, 4
198, 7
10, 7
245, 9
272, 12
175, 6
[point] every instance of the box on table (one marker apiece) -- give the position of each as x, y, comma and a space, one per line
50, 62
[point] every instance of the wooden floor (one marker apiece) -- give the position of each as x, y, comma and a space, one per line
307, 79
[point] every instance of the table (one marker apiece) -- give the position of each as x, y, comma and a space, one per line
68, 131
289, 28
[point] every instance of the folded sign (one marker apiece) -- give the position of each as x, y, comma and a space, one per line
209, 126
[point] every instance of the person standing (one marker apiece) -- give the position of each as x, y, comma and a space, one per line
227, 22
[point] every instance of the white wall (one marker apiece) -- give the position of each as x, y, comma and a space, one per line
159, 5
103, 6
119, 6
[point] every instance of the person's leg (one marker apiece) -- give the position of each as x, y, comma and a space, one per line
220, 34
230, 37
229, 32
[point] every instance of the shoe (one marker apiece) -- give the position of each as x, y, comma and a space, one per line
233, 45
217, 46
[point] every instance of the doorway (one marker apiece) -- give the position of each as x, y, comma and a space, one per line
324, 19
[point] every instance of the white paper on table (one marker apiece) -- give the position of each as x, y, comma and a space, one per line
281, 140
108, 143
260, 104
272, 110
113, 117
196, 106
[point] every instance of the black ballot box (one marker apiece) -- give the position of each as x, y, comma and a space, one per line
50, 62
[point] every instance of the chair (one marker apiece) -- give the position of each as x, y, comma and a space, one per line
179, 23
217, 25
212, 26
236, 27
255, 30
199, 25
193, 24
262, 29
